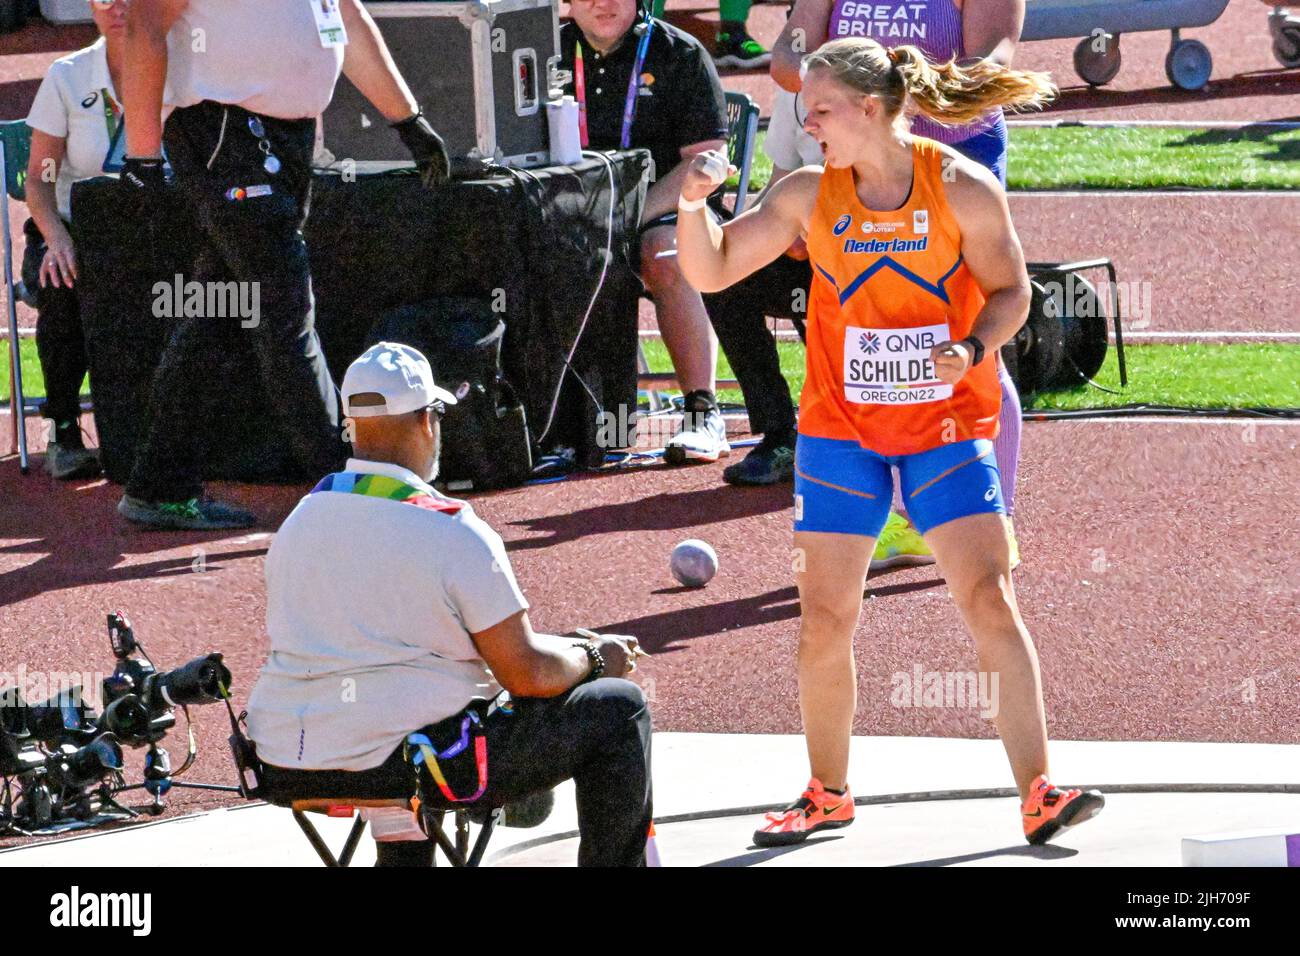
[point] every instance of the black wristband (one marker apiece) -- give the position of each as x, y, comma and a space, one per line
597, 660
144, 173
977, 347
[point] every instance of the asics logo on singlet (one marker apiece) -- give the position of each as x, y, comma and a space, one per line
842, 225
991, 493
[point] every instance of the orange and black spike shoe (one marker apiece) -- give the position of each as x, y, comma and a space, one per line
1050, 810
817, 809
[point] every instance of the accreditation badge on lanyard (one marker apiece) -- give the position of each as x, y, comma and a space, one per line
329, 22
116, 130
633, 87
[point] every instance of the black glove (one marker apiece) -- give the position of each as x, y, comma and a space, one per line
143, 176
426, 148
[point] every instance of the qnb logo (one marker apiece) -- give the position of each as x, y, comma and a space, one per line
869, 342
77, 909
842, 225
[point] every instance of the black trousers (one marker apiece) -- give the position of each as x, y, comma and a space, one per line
60, 343
739, 316
256, 242
597, 735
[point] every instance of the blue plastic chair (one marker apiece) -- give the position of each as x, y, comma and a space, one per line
742, 135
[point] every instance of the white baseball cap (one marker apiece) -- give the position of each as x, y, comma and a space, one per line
390, 379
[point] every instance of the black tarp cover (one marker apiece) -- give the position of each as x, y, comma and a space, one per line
533, 241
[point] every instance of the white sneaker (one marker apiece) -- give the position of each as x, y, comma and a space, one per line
703, 435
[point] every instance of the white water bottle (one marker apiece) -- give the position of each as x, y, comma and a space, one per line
562, 123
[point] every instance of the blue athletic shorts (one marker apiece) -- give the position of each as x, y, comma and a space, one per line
989, 149
843, 488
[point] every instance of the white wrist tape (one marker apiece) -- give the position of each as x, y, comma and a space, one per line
716, 166
690, 205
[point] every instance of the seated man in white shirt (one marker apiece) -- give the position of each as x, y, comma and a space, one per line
393, 609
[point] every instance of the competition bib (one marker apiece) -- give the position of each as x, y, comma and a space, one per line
329, 22
893, 366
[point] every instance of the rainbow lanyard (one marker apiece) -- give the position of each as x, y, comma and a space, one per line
633, 88
429, 757
112, 113
382, 486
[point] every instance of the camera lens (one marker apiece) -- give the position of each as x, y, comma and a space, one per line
50, 720
198, 682
87, 765
127, 717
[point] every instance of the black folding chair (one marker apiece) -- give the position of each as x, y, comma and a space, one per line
457, 851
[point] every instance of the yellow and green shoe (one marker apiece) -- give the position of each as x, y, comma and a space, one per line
900, 545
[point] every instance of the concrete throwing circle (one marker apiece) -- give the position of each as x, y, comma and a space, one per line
1135, 829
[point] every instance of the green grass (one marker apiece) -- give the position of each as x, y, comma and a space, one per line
1153, 158
33, 380
1135, 158
1193, 376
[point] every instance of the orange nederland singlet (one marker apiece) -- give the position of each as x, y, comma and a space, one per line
886, 287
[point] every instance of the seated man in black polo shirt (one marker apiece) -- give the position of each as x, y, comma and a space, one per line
675, 109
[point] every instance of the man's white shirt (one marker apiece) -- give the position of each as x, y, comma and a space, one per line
370, 607
786, 143
266, 57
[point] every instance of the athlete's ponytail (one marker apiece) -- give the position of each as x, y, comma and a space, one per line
945, 92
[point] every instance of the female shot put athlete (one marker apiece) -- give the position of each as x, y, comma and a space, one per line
918, 279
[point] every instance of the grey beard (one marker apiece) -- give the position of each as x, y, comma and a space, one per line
437, 456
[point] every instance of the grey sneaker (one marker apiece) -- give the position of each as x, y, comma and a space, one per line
193, 515
703, 435
67, 461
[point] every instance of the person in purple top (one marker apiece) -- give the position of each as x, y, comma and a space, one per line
943, 30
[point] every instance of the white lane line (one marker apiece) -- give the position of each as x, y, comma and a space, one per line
790, 335
1199, 335
1033, 417
1155, 124
1163, 193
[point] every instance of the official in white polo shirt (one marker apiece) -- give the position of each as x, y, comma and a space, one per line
75, 120
244, 81
393, 609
